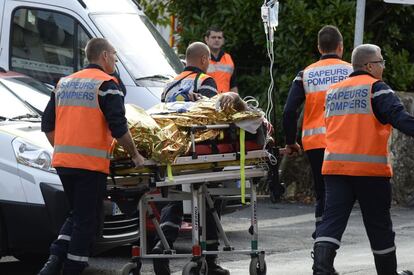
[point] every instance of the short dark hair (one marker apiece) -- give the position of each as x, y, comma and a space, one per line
329, 38
213, 29
95, 47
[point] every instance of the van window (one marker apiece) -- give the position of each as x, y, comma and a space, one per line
139, 45
46, 45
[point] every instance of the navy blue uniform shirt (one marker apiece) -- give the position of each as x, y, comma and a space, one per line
388, 108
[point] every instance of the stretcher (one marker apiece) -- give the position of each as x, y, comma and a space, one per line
244, 166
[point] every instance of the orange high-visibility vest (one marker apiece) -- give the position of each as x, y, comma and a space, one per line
222, 71
82, 137
356, 142
184, 82
317, 78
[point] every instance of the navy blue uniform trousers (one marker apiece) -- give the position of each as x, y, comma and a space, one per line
315, 157
171, 218
85, 191
374, 197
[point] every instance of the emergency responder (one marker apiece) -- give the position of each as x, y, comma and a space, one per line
310, 85
194, 83
221, 64
85, 112
359, 114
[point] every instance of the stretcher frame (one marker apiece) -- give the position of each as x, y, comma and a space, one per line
254, 170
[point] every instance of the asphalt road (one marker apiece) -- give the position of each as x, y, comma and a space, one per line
284, 230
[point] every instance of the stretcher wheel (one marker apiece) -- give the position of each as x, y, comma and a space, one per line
132, 268
198, 267
256, 268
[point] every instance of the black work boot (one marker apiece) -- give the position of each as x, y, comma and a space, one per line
386, 264
161, 266
53, 266
214, 268
323, 258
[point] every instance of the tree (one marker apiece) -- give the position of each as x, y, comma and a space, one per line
387, 25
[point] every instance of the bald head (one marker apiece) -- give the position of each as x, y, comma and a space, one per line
364, 54
100, 52
196, 50
198, 55
95, 47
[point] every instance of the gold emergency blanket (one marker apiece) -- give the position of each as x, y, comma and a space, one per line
162, 135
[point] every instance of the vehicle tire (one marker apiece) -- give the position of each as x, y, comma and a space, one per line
255, 268
196, 268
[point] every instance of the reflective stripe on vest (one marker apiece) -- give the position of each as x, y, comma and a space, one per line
314, 131
222, 71
356, 158
82, 150
316, 79
356, 142
82, 136
227, 68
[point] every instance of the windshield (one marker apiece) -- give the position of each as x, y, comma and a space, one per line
11, 107
29, 90
139, 46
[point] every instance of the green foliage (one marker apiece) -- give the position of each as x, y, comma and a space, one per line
386, 25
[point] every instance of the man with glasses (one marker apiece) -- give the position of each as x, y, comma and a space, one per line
359, 115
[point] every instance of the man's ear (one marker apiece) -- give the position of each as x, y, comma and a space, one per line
104, 55
340, 49
369, 67
205, 38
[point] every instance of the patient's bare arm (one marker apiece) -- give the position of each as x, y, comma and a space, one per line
232, 100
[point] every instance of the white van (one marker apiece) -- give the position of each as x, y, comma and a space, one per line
45, 39
32, 202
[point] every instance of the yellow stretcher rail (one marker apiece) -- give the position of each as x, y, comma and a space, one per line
169, 172
242, 166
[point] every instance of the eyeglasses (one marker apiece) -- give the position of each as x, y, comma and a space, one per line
382, 62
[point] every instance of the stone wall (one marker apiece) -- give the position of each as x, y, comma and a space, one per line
402, 157
296, 173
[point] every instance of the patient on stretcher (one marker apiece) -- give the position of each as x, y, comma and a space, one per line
161, 133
